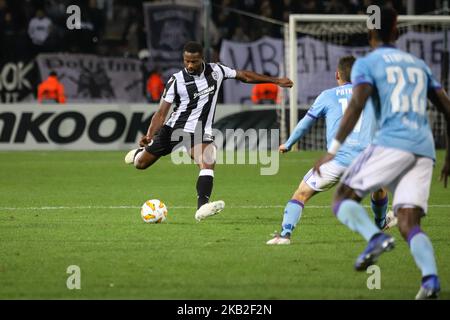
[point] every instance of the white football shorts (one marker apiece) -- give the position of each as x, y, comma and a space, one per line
405, 174
331, 173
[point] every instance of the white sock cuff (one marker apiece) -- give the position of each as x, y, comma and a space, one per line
206, 172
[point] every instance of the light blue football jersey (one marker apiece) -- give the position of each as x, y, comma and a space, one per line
331, 105
401, 82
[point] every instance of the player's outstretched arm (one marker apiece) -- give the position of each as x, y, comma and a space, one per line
356, 105
253, 77
300, 130
440, 99
157, 122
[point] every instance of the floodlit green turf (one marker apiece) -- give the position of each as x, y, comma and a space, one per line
63, 208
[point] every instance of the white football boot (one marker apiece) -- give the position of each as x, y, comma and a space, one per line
209, 209
391, 220
277, 239
129, 158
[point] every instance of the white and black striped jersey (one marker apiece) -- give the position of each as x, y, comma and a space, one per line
195, 96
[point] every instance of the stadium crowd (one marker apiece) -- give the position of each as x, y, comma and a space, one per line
117, 28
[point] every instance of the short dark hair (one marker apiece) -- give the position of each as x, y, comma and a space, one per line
193, 47
388, 21
53, 74
345, 65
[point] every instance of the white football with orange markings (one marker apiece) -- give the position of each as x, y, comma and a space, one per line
154, 211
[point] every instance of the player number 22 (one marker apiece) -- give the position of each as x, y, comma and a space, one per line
401, 102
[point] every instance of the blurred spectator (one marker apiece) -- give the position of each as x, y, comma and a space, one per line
8, 39
14, 41
339, 7
225, 20
39, 29
155, 85
97, 17
56, 10
131, 33
3, 10
423, 7
154, 82
239, 35
310, 6
117, 28
264, 28
51, 90
397, 4
265, 93
248, 5
286, 7
85, 40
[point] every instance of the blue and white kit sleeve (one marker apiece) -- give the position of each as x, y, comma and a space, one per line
300, 130
317, 110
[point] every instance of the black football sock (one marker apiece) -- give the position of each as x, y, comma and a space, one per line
204, 186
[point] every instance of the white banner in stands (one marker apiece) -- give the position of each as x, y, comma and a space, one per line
317, 61
90, 78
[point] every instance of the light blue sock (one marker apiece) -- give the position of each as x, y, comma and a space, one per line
292, 214
354, 216
422, 251
379, 208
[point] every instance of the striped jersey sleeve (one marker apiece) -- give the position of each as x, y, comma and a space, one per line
169, 90
228, 73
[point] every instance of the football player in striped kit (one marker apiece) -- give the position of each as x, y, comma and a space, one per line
194, 91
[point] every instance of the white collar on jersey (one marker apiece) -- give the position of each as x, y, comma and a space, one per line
201, 73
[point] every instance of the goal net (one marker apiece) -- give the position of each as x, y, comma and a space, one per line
320, 40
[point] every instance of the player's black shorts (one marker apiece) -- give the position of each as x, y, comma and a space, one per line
168, 139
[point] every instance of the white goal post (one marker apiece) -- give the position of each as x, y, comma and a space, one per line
358, 20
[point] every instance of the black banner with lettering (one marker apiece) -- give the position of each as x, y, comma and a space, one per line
169, 27
18, 81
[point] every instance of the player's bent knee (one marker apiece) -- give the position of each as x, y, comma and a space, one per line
140, 166
345, 192
144, 160
140, 163
303, 193
209, 156
338, 194
408, 219
302, 197
404, 228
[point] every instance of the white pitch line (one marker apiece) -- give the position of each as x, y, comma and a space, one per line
175, 207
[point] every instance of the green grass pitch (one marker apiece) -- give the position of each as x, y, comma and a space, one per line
82, 208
